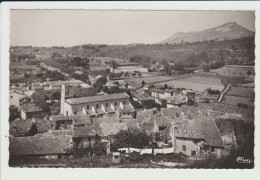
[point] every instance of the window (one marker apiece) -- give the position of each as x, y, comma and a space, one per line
67, 113
106, 105
193, 153
212, 149
68, 92
96, 105
87, 106
124, 102
184, 148
115, 103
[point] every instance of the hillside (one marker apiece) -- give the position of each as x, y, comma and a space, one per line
230, 30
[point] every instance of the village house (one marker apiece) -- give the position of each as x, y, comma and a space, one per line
15, 96
162, 93
142, 96
84, 136
29, 111
111, 86
95, 105
190, 95
197, 137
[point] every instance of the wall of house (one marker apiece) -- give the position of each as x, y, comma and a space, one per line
190, 146
14, 99
23, 114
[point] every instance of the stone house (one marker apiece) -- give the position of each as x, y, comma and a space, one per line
198, 137
29, 111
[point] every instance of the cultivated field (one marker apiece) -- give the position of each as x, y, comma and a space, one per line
234, 100
130, 69
234, 70
197, 83
241, 92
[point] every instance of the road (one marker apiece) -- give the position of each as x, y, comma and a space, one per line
223, 93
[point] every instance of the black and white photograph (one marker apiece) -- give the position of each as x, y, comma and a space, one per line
164, 89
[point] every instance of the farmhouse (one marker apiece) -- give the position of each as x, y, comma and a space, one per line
97, 105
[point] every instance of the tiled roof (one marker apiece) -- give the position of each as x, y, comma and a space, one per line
162, 120
56, 133
39, 145
147, 127
145, 115
132, 124
111, 129
170, 112
20, 127
43, 125
30, 108
89, 99
190, 129
106, 120
81, 131
211, 132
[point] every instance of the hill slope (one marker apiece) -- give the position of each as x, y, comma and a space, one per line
229, 30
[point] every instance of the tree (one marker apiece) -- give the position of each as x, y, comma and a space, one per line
39, 98
178, 66
114, 64
126, 74
56, 95
143, 83
134, 139
99, 83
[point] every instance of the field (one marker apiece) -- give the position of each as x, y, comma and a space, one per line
130, 69
241, 92
235, 70
197, 83
154, 79
234, 100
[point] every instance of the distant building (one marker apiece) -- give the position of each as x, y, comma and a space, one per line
190, 96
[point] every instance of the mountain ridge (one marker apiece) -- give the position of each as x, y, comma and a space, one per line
230, 30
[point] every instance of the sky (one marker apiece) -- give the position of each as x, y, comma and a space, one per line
75, 27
